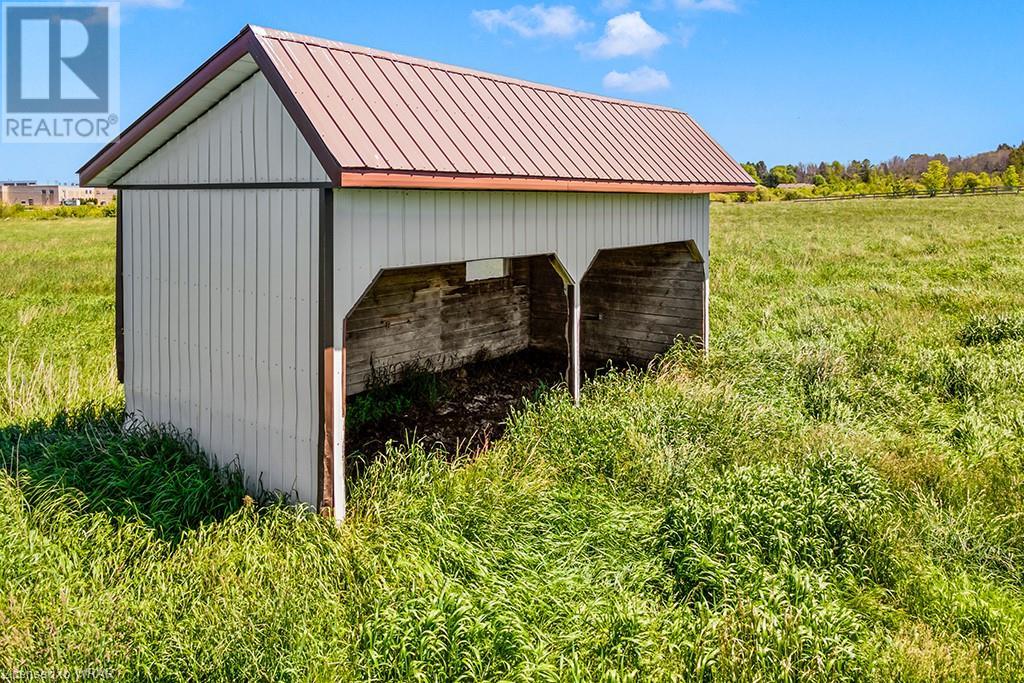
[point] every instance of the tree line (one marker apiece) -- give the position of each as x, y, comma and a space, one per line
931, 173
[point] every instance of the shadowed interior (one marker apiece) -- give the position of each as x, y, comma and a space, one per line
637, 301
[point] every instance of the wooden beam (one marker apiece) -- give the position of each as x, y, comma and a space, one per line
119, 289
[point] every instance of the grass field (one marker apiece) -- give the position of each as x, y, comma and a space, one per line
835, 493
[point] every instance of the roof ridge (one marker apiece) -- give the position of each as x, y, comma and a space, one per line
262, 31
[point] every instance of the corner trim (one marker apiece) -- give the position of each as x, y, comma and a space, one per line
119, 288
325, 356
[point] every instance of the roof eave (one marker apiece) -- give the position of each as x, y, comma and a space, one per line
363, 178
247, 42
212, 67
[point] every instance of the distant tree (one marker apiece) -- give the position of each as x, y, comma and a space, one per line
966, 181
936, 177
751, 170
779, 175
1011, 178
762, 170
819, 180
1016, 158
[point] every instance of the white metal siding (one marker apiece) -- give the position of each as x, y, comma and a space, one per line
220, 325
376, 229
247, 137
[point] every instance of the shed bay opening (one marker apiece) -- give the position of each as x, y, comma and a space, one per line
298, 211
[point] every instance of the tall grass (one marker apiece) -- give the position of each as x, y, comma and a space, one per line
835, 492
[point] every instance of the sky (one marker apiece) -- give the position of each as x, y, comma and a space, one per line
783, 81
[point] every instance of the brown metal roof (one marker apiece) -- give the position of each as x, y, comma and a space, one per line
378, 119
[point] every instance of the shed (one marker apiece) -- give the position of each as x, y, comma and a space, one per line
299, 210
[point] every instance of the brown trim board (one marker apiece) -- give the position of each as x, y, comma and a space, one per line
455, 181
119, 288
325, 360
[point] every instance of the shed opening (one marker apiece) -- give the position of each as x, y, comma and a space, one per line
636, 301
433, 354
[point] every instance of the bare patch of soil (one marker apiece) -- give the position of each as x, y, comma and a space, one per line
469, 411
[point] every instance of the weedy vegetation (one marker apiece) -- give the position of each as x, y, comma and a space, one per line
835, 492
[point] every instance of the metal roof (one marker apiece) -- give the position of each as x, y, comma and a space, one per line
378, 119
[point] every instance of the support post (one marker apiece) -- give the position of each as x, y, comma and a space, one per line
707, 308
340, 391
330, 470
573, 300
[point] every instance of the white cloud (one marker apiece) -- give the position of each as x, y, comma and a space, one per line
624, 35
560, 21
641, 79
613, 6
708, 5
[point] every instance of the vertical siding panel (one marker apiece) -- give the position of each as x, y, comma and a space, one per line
471, 225
377, 226
247, 135
288, 148
394, 227
251, 232
230, 397
260, 135
156, 336
217, 390
147, 305
506, 238
263, 331
170, 208
239, 397
284, 205
314, 390
446, 231
304, 273
412, 224
146, 356
289, 370
206, 395
428, 227
357, 218
192, 200
275, 139
163, 309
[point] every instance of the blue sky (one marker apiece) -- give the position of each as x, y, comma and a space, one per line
783, 81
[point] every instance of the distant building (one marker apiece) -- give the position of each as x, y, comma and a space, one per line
28, 193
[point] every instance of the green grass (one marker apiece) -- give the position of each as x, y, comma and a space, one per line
835, 493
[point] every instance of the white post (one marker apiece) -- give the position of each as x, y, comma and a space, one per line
574, 370
338, 452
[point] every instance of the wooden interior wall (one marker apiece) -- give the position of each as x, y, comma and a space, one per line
432, 315
637, 301
549, 309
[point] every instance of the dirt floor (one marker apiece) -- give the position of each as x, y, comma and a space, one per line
469, 412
